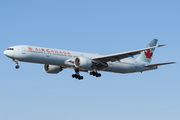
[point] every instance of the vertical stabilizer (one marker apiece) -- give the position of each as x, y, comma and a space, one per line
146, 56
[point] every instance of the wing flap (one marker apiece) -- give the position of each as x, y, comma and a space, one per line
158, 64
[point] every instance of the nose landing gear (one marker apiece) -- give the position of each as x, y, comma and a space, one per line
17, 66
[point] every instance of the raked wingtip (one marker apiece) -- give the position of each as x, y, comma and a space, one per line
161, 45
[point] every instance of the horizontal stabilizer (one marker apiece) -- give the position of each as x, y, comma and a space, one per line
150, 65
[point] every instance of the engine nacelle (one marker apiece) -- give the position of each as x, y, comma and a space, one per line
82, 62
52, 68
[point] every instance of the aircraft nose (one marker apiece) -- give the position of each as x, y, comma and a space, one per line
8, 53
5, 52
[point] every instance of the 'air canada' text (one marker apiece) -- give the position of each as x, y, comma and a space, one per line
50, 51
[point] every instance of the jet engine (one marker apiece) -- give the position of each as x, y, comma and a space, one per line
52, 68
82, 62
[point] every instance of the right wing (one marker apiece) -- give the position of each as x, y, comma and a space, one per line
119, 56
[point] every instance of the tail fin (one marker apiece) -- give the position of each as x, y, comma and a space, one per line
146, 56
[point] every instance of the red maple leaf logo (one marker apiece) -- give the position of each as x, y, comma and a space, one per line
30, 48
148, 54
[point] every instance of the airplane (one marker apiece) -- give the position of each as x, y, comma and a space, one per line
55, 60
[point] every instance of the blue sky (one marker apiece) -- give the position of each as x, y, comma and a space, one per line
96, 26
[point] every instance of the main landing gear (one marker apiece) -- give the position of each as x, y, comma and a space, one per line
95, 74
77, 75
17, 66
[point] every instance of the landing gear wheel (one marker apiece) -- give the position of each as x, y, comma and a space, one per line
91, 73
73, 75
17, 66
76, 76
81, 77
95, 74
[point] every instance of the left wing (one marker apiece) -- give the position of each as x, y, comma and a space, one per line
119, 56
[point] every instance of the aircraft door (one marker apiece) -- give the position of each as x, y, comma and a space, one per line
136, 65
23, 50
48, 53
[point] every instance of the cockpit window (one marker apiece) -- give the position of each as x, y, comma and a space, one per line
10, 49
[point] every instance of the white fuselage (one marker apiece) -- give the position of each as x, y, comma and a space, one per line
63, 58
